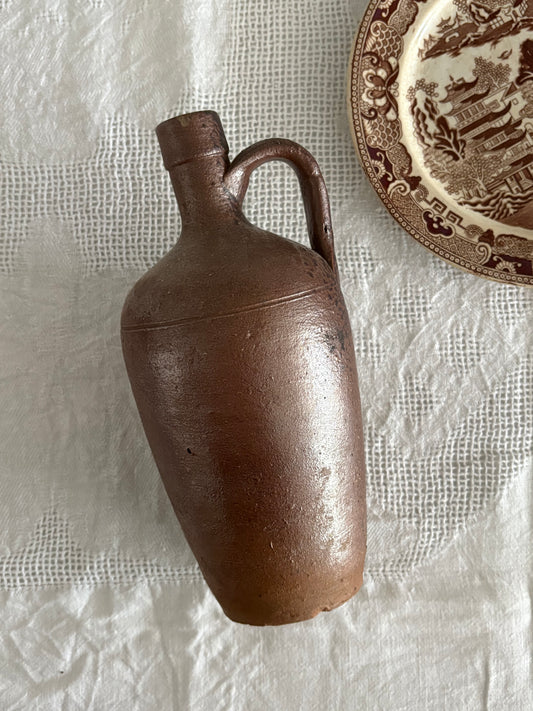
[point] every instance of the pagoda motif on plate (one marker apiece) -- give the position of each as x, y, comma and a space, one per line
478, 139
493, 129
476, 23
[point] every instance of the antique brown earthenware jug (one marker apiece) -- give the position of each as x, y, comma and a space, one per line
240, 356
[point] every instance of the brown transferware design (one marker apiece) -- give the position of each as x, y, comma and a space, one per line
240, 356
441, 102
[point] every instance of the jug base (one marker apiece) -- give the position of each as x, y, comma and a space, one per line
285, 617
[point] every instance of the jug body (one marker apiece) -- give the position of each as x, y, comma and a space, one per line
239, 351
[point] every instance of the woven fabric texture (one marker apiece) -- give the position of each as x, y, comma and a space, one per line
445, 359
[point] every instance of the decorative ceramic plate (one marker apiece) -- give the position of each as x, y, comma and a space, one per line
441, 102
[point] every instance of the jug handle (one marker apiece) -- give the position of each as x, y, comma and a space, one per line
312, 185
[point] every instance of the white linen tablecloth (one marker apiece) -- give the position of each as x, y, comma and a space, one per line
103, 606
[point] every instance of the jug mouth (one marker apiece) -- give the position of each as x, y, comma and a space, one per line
189, 136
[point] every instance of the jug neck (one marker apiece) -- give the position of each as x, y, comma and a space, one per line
195, 153
201, 192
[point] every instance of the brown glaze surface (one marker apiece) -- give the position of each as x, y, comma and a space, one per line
240, 356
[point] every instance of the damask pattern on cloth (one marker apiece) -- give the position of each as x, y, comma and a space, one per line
444, 358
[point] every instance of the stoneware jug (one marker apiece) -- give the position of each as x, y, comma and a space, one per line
240, 356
